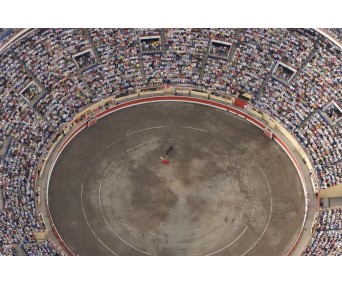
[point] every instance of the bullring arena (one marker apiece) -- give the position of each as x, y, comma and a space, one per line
171, 142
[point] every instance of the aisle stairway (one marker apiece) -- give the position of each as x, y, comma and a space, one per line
84, 85
265, 81
163, 40
235, 45
204, 62
141, 66
87, 35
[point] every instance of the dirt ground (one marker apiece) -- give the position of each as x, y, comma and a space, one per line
228, 189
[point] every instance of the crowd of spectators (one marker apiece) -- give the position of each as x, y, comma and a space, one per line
326, 233
219, 75
329, 219
325, 243
65, 100
47, 248
283, 104
20, 219
9, 35
336, 33
313, 89
49, 53
14, 77
182, 62
324, 145
8, 251
322, 142
118, 71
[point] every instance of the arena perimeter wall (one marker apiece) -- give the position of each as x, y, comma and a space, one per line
139, 101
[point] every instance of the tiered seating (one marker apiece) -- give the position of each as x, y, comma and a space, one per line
325, 243
119, 68
335, 33
8, 251
218, 74
47, 248
329, 219
327, 234
9, 34
324, 146
186, 48
20, 219
49, 54
283, 104
64, 101
15, 76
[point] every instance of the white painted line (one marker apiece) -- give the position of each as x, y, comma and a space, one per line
54, 161
148, 128
85, 217
250, 218
231, 242
84, 214
170, 126
104, 218
142, 144
250, 183
269, 217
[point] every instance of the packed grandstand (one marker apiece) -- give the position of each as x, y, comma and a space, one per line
70, 69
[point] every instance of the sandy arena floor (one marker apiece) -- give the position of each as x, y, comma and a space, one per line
228, 190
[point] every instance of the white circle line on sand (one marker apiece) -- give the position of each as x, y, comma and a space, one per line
142, 144
170, 126
82, 205
99, 192
129, 134
230, 243
250, 218
250, 183
85, 217
269, 217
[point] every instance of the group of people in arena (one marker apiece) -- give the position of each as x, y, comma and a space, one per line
327, 234
121, 70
